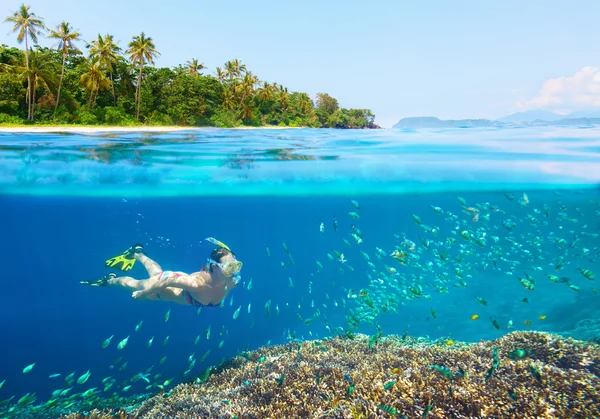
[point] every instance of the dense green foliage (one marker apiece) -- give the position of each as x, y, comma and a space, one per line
62, 85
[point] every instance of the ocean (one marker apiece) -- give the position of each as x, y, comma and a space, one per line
462, 235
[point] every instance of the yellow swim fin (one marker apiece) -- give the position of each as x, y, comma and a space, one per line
125, 260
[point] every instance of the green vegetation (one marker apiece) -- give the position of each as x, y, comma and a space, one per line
62, 85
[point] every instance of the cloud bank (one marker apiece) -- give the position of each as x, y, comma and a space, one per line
581, 91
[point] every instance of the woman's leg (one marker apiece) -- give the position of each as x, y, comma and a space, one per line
127, 283
151, 266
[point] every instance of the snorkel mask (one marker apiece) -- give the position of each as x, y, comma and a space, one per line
231, 268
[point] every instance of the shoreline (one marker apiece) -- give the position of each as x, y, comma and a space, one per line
100, 129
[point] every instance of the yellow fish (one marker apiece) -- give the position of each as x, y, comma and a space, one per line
542, 317
474, 317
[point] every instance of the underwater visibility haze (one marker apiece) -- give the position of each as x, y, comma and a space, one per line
428, 240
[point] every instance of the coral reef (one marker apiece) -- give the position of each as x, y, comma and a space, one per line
521, 375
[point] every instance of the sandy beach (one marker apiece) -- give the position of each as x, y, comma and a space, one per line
98, 129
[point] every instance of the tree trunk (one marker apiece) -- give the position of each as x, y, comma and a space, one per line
139, 91
113, 88
62, 73
33, 99
28, 79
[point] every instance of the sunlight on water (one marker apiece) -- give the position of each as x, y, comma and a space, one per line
210, 162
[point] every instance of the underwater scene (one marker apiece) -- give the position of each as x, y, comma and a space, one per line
301, 273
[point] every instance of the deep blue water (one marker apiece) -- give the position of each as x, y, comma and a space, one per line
58, 232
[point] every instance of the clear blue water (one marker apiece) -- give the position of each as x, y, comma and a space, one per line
68, 202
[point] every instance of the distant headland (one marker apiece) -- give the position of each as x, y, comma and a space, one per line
529, 118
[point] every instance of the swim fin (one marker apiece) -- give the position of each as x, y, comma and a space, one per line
125, 260
100, 282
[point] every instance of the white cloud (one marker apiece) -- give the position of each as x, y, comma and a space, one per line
581, 91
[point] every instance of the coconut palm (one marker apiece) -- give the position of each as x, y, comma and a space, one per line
107, 52
194, 67
66, 43
94, 79
265, 92
40, 71
29, 26
141, 51
234, 69
220, 74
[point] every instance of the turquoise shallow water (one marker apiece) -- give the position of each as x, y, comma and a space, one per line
297, 162
431, 225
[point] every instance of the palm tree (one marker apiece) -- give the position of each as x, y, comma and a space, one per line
107, 51
40, 71
141, 51
66, 42
265, 92
220, 74
94, 79
29, 26
194, 67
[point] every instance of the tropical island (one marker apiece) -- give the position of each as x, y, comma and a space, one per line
112, 86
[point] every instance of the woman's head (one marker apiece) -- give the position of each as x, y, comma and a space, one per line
224, 260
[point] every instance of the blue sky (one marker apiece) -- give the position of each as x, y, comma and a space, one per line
451, 59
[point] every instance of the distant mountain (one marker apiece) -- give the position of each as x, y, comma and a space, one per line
529, 116
432, 122
538, 117
584, 114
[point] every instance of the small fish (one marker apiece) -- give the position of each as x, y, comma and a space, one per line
495, 323
433, 313
355, 204
389, 385
525, 300
107, 342
237, 313
587, 274
200, 308
474, 317
520, 354
167, 315
335, 224
4, 381
542, 317
28, 368
165, 341
387, 409
162, 360
268, 251
150, 342
535, 372
123, 343
449, 342
482, 301
397, 371
84, 377
416, 219
322, 228
207, 333
139, 326
354, 215
527, 322
50, 376
512, 394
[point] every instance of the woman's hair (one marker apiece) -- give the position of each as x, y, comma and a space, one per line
218, 254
